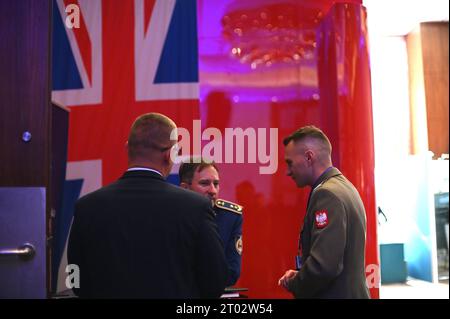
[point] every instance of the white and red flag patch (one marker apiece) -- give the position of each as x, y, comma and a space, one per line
321, 218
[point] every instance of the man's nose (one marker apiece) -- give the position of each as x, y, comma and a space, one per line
212, 188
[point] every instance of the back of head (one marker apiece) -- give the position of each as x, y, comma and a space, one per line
315, 139
192, 165
149, 136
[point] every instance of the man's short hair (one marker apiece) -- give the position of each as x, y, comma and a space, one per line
148, 133
309, 131
188, 168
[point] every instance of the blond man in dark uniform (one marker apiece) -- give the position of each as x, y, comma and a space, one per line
331, 259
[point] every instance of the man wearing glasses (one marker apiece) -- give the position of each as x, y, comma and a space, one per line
142, 237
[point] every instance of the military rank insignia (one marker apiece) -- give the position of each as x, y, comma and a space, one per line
238, 245
321, 218
232, 207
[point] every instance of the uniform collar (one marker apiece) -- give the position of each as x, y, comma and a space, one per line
327, 174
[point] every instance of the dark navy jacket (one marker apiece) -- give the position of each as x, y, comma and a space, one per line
229, 222
141, 237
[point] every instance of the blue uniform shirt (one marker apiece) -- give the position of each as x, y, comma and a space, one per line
229, 223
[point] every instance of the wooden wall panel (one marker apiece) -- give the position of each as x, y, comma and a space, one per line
417, 104
435, 70
428, 84
24, 92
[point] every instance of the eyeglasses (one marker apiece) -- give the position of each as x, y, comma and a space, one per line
175, 149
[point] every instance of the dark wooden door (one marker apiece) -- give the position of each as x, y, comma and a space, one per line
25, 126
24, 92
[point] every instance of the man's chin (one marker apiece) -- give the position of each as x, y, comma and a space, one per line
296, 182
212, 199
299, 184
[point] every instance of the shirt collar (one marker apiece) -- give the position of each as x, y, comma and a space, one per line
320, 178
131, 169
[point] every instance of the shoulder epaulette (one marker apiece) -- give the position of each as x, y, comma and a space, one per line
232, 207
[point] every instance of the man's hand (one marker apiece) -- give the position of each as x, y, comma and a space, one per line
287, 277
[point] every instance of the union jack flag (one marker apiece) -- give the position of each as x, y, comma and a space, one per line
126, 58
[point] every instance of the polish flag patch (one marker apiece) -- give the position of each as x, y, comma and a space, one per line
321, 218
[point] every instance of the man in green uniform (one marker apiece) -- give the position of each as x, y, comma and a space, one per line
331, 259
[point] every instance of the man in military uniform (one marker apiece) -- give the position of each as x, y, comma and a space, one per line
203, 178
331, 259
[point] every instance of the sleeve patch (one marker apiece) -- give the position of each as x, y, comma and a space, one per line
239, 245
321, 218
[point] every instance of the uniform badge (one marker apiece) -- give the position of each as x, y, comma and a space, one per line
238, 245
321, 218
227, 205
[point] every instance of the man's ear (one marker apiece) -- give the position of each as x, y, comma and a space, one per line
167, 156
309, 154
184, 185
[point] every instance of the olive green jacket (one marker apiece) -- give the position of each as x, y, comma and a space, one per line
333, 242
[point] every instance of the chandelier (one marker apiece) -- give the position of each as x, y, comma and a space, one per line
271, 34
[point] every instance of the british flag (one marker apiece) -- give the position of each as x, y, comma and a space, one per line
126, 58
